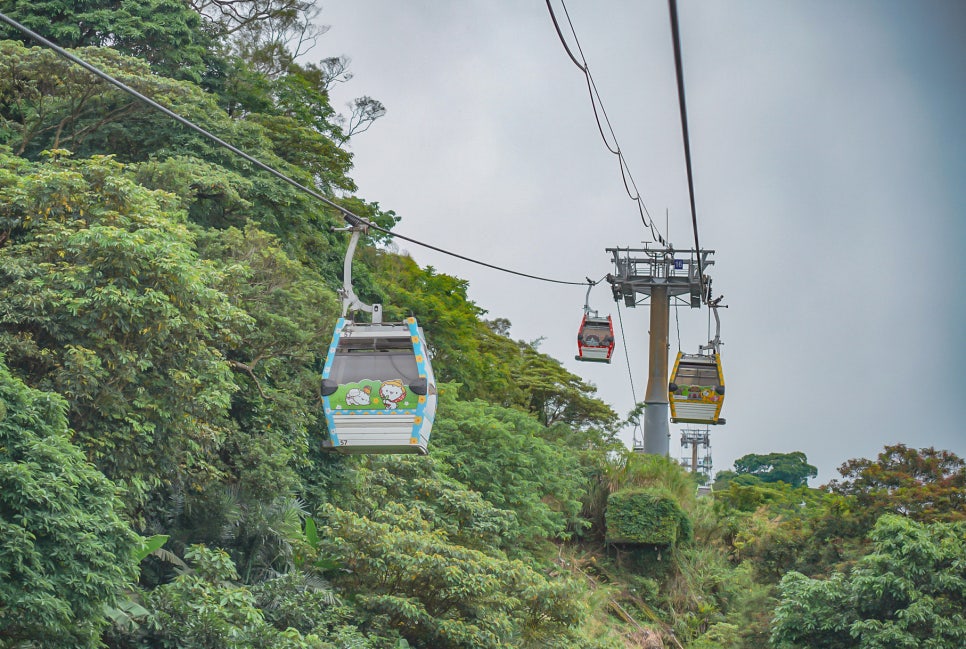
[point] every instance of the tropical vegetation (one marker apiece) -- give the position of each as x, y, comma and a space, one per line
165, 307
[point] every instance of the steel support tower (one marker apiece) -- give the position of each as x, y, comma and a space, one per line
693, 438
660, 275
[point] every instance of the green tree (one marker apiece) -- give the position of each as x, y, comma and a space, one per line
466, 517
206, 608
166, 33
305, 603
65, 553
50, 103
777, 528
407, 576
909, 592
791, 468
724, 479
420, 553
502, 453
276, 410
556, 395
103, 300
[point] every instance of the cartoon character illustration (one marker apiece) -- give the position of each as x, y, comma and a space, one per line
358, 397
392, 392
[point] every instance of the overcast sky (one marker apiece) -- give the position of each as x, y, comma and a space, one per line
829, 150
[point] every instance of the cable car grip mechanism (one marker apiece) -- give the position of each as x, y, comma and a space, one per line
350, 301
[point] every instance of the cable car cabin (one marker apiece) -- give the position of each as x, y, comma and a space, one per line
696, 390
595, 339
378, 390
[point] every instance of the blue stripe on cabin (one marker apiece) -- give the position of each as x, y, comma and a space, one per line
326, 370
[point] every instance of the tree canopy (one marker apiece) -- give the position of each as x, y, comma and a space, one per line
925, 484
65, 551
909, 592
104, 300
791, 468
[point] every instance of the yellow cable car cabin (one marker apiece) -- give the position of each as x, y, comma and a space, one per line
696, 390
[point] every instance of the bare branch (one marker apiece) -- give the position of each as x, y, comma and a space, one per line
250, 370
332, 70
365, 111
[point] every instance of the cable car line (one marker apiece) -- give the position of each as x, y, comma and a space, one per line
677, 324
563, 41
679, 73
627, 358
470, 259
696, 389
595, 101
351, 218
630, 375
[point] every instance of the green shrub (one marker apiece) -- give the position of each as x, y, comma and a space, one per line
646, 517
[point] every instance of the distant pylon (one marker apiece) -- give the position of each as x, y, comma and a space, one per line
695, 438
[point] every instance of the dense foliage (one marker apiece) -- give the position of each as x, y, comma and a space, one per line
105, 301
65, 552
909, 591
164, 308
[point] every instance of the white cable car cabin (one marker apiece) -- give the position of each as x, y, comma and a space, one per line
595, 339
378, 390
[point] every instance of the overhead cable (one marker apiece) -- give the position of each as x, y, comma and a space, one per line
679, 72
677, 323
350, 217
630, 375
598, 107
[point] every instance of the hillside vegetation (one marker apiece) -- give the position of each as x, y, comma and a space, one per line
165, 308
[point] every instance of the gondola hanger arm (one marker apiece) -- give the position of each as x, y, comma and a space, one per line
715, 343
350, 301
587, 309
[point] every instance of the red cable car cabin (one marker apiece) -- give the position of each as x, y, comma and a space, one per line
595, 340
